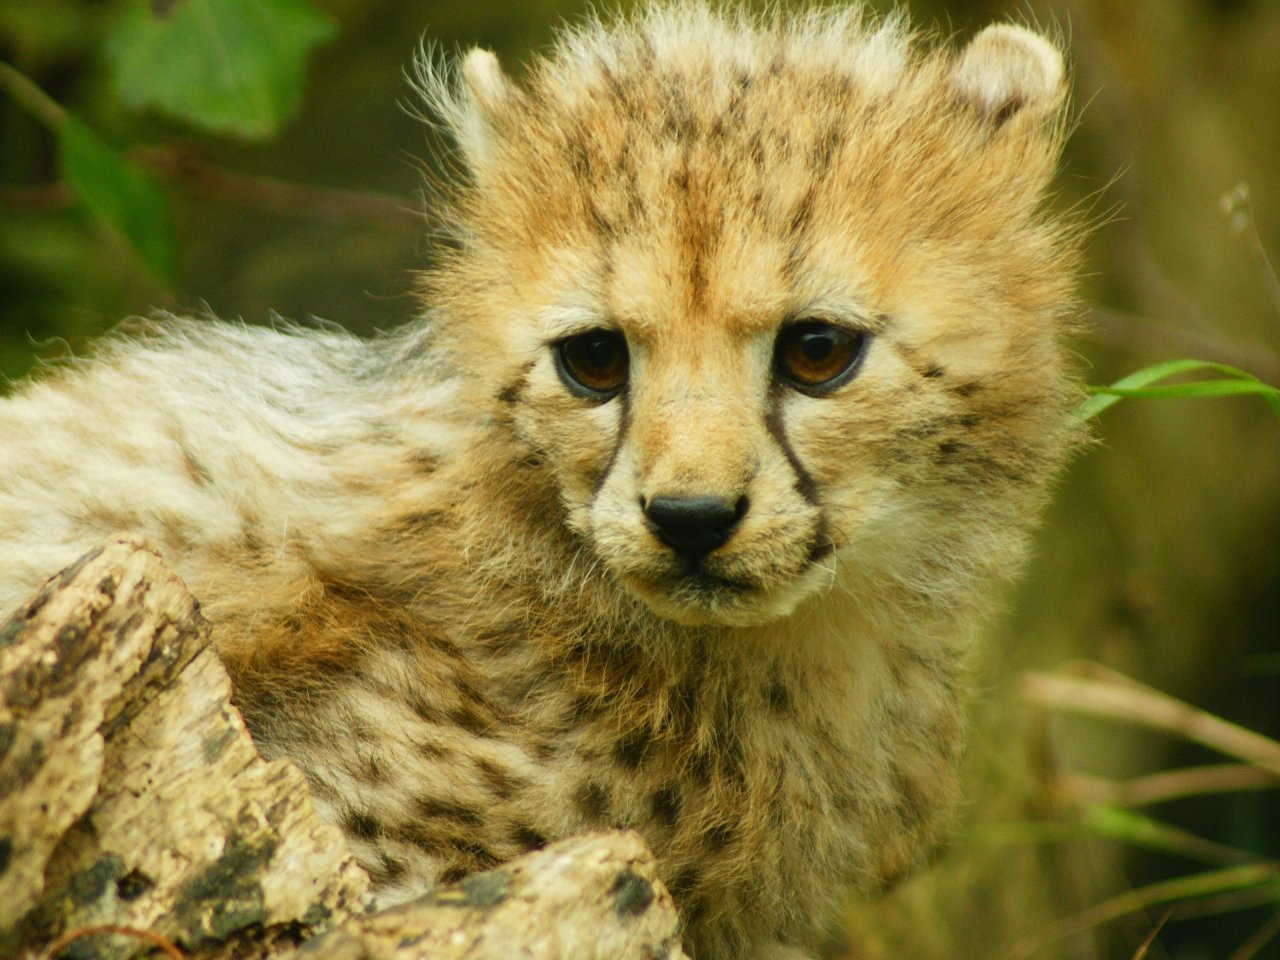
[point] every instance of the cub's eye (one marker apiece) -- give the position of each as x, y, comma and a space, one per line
593, 364
816, 357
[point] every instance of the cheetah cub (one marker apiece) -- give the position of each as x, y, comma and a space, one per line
737, 385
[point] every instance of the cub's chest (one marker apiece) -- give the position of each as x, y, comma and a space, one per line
707, 763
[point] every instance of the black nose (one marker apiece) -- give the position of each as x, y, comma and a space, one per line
694, 526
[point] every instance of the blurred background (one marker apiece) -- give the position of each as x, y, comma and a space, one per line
1095, 827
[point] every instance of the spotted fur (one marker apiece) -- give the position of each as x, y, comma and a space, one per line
428, 562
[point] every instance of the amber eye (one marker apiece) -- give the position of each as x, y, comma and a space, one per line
593, 364
815, 357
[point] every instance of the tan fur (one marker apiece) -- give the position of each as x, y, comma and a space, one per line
427, 560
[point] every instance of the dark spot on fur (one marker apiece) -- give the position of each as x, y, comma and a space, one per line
422, 835
434, 808
694, 911
502, 638
527, 838
910, 803
388, 869
803, 211
604, 227
592, 802
934, 372
510, 393
700, 767
251, 540
433, 751
423, 461
779, 813
684, 883
372, 770
178, 533
360, 824
632, 751
684, 702
418, 522
531, 461
967, 389
196, 470
730, 763
585, 706
1007, 110
779, 698
470, 718
825, 150
504, 783
360, 729
666, 805
580, 160
453, 874
484, 857
822, 546
719, 836
421, 708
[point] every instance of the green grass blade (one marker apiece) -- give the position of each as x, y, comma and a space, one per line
1129, 826
1262, 876
1140, 383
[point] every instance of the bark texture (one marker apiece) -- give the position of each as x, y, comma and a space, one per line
133, 803
590, 897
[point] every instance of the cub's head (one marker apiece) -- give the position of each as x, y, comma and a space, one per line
774, 302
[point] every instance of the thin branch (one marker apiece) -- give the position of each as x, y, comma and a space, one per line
280, 197
1145, 946
1172, 784
1142, 705
1191, 887
1130, 330
41, 198
180, 167
30, 97
1238, 208
1261, 937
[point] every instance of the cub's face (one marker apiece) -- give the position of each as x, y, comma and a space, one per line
775, 309
706, 455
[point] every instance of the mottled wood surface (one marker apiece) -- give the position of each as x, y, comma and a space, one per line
590, 897
132, 797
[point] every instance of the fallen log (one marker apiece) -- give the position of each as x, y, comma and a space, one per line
137, 816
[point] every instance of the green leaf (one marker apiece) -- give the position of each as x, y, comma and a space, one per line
1138, 384
230, 66
119, 194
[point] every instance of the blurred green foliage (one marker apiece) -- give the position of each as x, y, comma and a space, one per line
1160, 558
229, 66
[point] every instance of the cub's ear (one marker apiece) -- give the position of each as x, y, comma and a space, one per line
484, 91
466, 102
1009, 71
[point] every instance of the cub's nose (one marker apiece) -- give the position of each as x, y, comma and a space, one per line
694, 526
